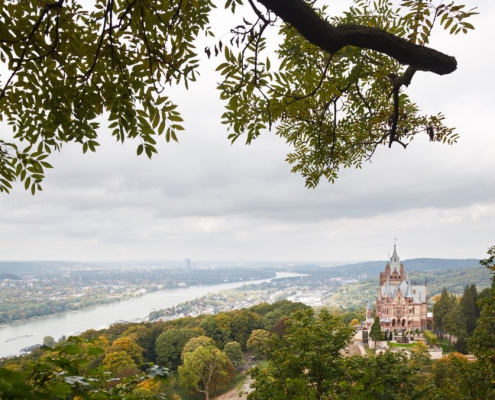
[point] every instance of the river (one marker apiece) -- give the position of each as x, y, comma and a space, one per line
20, 335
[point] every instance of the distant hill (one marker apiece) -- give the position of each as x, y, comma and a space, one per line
13, 277
434, 264
371, 268
26, 267
414, 264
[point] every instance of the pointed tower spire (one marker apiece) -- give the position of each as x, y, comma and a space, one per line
395, 257
409, 292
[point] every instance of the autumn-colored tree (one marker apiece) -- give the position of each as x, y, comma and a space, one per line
195, 342
64, 372
279, 328
129, 346
118, 362
258, 342
455, 377
205, 369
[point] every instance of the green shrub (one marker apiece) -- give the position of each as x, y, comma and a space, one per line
430, 337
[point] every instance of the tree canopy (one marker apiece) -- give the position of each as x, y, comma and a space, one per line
333, 88
204, 369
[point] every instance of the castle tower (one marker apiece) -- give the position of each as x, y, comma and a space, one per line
400, 304
369, 310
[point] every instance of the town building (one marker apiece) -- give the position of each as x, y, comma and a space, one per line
400, 304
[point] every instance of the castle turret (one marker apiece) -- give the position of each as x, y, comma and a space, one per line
369, 310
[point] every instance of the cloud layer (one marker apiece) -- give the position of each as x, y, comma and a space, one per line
207, 200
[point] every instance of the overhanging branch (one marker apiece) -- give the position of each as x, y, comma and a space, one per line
331, 38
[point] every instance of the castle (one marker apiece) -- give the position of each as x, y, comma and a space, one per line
400, 304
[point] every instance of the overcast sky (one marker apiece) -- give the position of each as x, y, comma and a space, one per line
205, 199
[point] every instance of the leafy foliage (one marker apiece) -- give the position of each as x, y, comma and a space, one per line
259, 342
309, 362
490, 261
206, 368
233, 350
170, 344
333, 109
306, 361
69, 65
456, 377
482, 342
66, 371
376, 330
430, 337
441, 309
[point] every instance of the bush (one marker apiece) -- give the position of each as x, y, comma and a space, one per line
430, 337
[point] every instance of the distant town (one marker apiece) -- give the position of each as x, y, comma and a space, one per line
33, 290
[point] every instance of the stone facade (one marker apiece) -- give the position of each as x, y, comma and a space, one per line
400, 304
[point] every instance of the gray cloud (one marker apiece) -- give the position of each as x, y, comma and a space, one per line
206, 199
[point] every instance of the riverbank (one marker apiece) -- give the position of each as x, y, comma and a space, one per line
103, 315
112, 300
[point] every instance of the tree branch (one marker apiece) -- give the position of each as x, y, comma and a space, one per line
331, 38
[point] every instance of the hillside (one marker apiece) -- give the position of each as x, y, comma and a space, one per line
454, 280
373, 268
